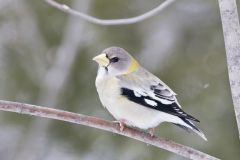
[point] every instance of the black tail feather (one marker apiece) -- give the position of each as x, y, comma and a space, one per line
190, 127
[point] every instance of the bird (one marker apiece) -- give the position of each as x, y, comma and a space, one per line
135, 97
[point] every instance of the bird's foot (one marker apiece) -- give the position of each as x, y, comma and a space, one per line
151, 131
121, 123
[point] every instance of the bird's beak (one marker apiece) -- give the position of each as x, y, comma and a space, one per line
102, 60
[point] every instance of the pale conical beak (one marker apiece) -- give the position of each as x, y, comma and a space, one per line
102, 60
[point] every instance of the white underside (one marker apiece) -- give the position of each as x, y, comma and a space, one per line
132, 113
137, 115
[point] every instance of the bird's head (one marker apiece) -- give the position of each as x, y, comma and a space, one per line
116, 61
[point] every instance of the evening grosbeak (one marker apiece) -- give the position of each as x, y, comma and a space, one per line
136, 97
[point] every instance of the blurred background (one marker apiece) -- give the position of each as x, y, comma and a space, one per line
45, 59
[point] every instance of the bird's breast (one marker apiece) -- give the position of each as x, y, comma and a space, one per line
108, 89
122, 108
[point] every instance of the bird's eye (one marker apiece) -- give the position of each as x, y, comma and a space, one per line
114, 59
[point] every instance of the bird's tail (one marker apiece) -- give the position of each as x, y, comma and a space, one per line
189, 126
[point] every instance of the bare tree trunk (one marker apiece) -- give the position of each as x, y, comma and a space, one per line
231, 31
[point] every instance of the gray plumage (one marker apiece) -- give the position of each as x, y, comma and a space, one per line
134, 95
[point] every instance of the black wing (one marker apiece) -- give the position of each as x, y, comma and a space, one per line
148, 101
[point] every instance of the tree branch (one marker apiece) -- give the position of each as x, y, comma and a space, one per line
231, 31
104, 125
124, 21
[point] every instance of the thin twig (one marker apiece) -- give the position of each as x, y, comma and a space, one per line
125, 21
104, 125
231, 31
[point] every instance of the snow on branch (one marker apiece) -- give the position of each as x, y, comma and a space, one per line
125, 21
231, 31
102, 124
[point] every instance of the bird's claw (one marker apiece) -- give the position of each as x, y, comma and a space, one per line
121, 123
151, 131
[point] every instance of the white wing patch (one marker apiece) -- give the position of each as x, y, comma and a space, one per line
150, 102
137, 94
164, 101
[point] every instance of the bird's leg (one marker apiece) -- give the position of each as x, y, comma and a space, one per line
151, 131
121, 123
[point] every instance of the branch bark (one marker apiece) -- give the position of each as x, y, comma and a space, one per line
231, 31
125, 21
104, 125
